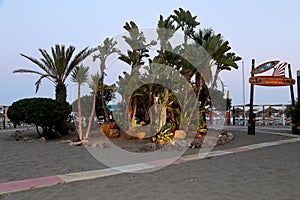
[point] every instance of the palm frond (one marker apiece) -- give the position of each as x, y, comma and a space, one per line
78, 58
47, 60
27, 71
80, 74
38, 63
38, 82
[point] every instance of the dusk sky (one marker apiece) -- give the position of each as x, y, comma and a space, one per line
260, 29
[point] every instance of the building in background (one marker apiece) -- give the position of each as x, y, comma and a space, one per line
4, 121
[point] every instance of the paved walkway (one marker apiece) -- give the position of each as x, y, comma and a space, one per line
28, 184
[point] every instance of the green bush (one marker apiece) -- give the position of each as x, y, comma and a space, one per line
42, 112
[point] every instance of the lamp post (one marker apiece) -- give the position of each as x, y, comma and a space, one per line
244, 101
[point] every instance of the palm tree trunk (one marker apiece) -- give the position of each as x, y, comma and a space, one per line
61, 95
106, 116
214, 83
91, 116
79, 115
193, 110
61, 92
129, 114
103, 105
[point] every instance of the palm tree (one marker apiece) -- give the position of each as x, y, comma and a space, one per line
105, 50
139, 50
94, 84
138, 45
57, 67
218, 49
80, 76
186, 22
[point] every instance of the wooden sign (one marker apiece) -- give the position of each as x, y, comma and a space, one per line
265, 67
271, 81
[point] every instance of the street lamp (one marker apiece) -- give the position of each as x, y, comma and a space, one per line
244, 101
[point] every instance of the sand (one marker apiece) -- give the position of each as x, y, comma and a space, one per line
266, 173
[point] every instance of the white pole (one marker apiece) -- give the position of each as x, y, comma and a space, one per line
244, 109
283, 115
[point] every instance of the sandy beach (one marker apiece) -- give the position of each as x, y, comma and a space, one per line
265, 173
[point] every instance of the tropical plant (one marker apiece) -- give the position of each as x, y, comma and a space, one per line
289, 109
105, 50
42, 112
57, 67
139, 50
186, 22
189, 62
164, 135
94, 85
218, 49
80, 76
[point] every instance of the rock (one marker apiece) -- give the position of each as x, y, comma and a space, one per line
181, 144
129, 137
42, 140
97, 143
168, 146
151, 147
135, 133
230, 136
179, 134
223, 132
65, 141
140, 135
75, 143
112, 125
197, 143
84, 142
19, 137
114, 133
223, 139
105, 128
14, 135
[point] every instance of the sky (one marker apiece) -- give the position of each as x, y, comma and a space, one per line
259, 29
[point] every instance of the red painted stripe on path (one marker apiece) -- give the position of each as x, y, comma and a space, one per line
29, 184
236, 150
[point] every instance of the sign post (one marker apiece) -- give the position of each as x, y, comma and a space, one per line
251, 121
293, 103
277, 79
298, 114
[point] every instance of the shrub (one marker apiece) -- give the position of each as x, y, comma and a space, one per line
42, 112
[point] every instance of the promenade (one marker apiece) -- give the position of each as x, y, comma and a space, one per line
261, 166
